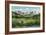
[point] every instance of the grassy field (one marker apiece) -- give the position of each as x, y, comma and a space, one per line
25, 22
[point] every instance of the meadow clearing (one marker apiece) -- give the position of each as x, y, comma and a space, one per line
25, 22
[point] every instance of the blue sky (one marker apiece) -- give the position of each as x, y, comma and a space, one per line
16, 8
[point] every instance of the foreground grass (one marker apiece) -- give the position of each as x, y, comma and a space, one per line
25, 22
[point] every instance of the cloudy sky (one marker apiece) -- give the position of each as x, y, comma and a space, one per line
29, 9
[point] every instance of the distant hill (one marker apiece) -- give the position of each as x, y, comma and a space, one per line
19, 14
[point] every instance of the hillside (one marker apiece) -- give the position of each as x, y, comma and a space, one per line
25, 20
31, 14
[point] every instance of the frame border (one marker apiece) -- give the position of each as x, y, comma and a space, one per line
7, 16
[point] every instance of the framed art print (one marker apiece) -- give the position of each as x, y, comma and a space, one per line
24, 17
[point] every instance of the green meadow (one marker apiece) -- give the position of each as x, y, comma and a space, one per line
22, 21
